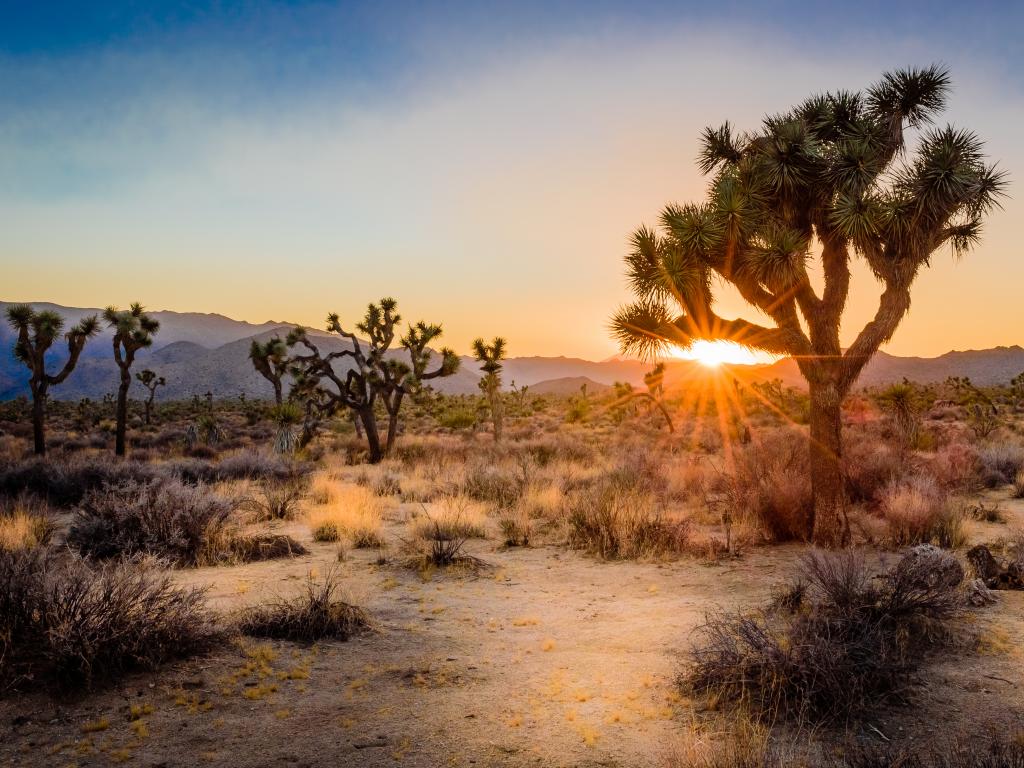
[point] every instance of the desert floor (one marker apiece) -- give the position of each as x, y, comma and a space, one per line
543, 657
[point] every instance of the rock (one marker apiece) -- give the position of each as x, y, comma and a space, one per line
984, 564
978, 595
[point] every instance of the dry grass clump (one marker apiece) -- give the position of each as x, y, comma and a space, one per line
276, 500
838, 643
770, 482
162, 517
612, 522
957, 466
317, 614
516, 527
356, 512
498, 484
24, 524
917, 511
65, 483
870, 466
458, 516
1018, 485
1001, 462
543, 502
65, 624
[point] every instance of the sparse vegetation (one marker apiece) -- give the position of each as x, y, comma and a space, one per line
317, 614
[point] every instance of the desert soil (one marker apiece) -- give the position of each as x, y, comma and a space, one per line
545, 657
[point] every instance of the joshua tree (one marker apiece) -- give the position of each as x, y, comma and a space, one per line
150, 381
374, 375
270, 358
133, 330
490, 357
831, 177
36, 333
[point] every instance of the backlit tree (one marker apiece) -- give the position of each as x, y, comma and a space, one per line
133, 330
832, 179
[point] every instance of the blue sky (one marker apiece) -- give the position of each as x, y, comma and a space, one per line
480, 161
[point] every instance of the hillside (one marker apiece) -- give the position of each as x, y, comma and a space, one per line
199, 353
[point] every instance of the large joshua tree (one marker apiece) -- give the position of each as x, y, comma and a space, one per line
374, 375
36, 333
490, 357
270, 359
832, 178
133, 330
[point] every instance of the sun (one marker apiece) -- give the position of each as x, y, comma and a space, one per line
715, 353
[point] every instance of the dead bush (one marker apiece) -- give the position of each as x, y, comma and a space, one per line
612, 523
276, 500
65, 624
846, 643
162, 517
1001, 462
771, 483
917, 511
317, 614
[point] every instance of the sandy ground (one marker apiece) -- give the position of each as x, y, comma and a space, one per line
544, 658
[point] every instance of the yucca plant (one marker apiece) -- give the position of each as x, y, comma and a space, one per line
375, 375
270, 359
150, 381
133, 330
37, 331
831, 178
490, 357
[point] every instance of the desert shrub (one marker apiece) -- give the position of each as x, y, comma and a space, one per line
542, 501
248, 548
516, 527
162, 517
870, 466
1001, 462
1018, 485
845, 643
758, 753
771, 483
917, 511
317, 614
612, 523
956, 466
499, 485
65, 624
459, 516
65, 483
252, 465
276, 500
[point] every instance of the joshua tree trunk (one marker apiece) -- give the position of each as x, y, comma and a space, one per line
357, 424
830, 525
149, 406
496, 415
122, 410
277, 392
39, 421
393, 410
369, 419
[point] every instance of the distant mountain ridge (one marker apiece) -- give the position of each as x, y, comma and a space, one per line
199, 353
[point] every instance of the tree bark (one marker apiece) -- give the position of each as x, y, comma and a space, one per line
122, 412
830, 526
369, 420
277, 391
149, 406
393, 411
39, 422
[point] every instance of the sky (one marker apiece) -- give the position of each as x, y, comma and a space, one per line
483, 163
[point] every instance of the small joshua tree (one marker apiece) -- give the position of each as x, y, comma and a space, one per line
270, 359
133, 330
375, 376
490, 357
36, 333
150, 381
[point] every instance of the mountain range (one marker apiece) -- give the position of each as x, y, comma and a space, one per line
198, 353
